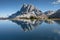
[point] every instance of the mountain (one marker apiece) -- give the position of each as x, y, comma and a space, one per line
48, 13
26, 11
56, 14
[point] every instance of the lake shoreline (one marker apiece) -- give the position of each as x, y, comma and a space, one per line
29, 18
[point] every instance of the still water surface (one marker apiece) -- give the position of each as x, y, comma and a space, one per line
29, 30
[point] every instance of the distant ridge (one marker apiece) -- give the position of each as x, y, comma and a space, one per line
56, 14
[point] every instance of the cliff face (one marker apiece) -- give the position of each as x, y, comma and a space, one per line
25, 10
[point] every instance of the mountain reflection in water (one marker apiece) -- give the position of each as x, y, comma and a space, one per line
57, 21
28, 25
31, 29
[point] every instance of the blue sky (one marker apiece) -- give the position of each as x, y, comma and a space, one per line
8, 7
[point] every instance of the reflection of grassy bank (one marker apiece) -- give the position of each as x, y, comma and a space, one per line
36, 18
31, 18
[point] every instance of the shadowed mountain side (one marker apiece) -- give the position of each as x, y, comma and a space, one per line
56, 14
26, 25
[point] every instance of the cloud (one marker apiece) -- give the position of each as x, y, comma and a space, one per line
56, 2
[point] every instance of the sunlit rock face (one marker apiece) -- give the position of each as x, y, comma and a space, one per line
25, 10
27, 25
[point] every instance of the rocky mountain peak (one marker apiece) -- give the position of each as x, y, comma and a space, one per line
27, 9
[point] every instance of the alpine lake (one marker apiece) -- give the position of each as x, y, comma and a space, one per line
26, 29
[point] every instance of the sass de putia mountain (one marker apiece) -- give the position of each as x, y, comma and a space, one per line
28, 10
